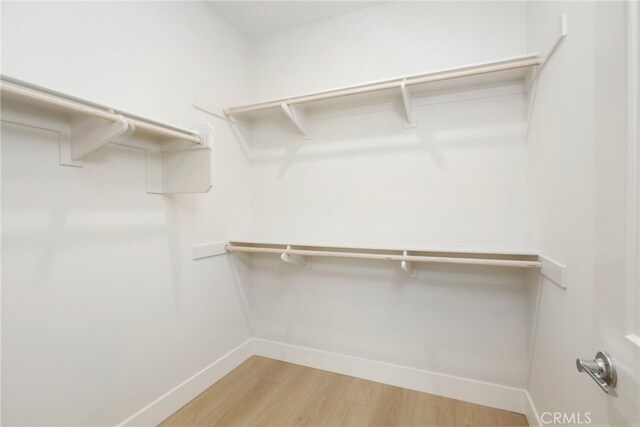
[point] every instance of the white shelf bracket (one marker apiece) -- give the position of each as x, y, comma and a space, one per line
188, 170
564, 30
297, 117
554, 271
408, 108
300, 260
407, 266
226, 115
533, 82
209, 250
90, 133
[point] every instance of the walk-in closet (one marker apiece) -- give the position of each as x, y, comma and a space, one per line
320, 213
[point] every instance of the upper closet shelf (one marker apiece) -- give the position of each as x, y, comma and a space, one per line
509, 71
496, 73
178, 160
503, 71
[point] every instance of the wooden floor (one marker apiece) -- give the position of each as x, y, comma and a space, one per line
267, 392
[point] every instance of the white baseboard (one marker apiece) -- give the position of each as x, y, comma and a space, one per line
531, 412
479, 392
482, 393
160, 409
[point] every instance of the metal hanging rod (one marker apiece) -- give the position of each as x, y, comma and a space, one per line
26, 91
448, 74
388, 257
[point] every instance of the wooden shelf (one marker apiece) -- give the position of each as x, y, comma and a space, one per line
178, 160
485, 249
502, 72
487, 257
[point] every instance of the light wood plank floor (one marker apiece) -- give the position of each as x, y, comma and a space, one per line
267, 392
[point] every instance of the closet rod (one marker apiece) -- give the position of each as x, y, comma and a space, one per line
454, 73
78, 107
389, 257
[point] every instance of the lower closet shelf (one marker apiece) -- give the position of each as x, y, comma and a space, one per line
301, 254
521, 260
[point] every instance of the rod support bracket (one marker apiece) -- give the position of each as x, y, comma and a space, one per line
302, 261
87, 134
407, 266
409, 117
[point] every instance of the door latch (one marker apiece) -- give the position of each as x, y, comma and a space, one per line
602, 370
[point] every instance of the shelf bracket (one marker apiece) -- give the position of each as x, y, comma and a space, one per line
180, 171
406, 101
554, 271
407, 266
564, 30
300, 260
209, 250
533, 81
90, 133
297, 117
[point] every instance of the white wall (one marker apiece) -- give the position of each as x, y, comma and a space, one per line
393, 39
103, 310
362, 179
577, 196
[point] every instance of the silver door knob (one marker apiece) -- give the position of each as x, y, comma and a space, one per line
602, 370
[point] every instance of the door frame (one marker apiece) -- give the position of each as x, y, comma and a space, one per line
632, 311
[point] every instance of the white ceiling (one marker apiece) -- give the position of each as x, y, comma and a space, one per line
257, 18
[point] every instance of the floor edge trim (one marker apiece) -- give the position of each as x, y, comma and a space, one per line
167, 404
479, 392
473, 391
